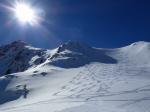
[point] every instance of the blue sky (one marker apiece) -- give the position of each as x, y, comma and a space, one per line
100, 23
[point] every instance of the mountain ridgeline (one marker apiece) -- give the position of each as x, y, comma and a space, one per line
18, 56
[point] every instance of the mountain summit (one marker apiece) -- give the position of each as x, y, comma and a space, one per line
74, 54
19, 56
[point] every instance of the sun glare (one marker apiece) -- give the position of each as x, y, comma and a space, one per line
24, 13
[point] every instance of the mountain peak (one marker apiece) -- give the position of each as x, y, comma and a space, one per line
75, 46
19, 56
15, 44
18, 43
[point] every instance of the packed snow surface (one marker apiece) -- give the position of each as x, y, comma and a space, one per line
75, 78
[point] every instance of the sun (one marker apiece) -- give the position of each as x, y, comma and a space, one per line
24, 13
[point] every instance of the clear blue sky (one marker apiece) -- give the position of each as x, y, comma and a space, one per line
100, 23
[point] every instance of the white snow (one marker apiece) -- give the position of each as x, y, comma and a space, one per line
121, 85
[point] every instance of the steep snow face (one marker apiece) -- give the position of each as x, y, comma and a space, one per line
108, 80
19, 56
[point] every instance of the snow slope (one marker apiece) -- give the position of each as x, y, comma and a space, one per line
78, 78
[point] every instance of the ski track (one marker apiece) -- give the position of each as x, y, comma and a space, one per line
94, 83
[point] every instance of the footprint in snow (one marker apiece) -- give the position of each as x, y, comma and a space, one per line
64, 87
56, 93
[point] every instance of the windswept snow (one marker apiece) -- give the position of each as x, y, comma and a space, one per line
78, 78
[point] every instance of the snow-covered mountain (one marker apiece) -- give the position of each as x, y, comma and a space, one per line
74, 77
75, 54
19, 56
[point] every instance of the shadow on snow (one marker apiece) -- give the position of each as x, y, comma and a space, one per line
10, 95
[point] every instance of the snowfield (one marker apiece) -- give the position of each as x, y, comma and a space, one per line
75, 78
